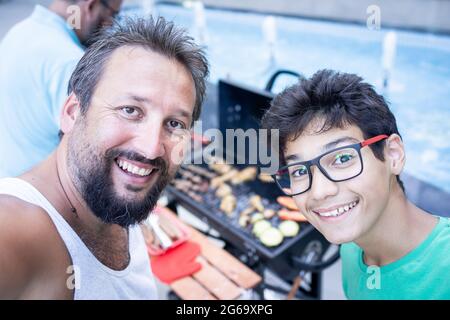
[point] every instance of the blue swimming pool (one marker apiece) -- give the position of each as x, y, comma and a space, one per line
419, 94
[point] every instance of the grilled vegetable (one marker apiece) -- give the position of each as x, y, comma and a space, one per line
289, 228
194, 196
248, 174
196, 179
261, 226
247, 211
269, 213
219, 166
182, 184
291, 215
223, 190
217, 181
265, 178
256, 217
228, 204
203, 187
244, 220
255, 201
287, 202
271, 237
185, 174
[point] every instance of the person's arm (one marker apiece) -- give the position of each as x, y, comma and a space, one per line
15, 270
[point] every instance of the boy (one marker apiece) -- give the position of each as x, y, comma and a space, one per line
341, 156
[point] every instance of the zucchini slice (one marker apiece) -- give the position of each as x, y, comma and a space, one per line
271, 237
257, 217
289, 228
261, 226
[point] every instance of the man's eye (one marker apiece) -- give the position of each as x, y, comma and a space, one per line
174, 124
130, 111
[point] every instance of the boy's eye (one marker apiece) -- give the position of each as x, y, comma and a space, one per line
299, 172
342, 158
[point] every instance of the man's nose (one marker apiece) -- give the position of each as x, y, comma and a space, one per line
321, 186
150, 140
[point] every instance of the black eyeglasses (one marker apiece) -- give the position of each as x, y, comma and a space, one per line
340, 164
114, 12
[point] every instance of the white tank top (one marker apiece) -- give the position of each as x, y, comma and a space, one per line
93, 280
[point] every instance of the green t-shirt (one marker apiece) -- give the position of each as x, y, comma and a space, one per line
424, 273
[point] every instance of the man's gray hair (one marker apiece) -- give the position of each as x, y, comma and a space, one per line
157, 35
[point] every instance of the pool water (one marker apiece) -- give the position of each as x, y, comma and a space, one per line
419, 92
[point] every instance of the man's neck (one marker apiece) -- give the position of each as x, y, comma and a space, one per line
400, 228
60, 8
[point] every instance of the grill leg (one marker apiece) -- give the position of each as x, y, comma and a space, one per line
316, 285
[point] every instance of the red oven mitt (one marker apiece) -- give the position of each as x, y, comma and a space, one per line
177, 262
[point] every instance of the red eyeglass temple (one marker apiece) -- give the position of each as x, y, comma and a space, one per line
373, 140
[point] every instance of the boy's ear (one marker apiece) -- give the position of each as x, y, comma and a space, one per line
395, 153
69, 113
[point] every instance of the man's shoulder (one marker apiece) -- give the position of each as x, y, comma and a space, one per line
26, 229
46, 41
24, 239
22, 220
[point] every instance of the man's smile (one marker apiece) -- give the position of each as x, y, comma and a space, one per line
136, 172
134, 167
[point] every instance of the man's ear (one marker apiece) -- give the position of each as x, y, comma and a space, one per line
92, 3
87, 5
395, 153
69, 113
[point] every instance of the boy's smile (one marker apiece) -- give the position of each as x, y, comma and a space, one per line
335, 212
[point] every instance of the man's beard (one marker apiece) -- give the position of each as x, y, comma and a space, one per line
91, 174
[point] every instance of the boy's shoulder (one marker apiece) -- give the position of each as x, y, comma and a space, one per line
350, 250
441, 240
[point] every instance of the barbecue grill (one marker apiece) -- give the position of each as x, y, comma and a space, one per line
241, 107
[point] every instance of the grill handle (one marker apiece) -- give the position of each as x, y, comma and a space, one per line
301, 264
272, 79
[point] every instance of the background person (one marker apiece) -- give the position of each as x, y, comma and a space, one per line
37, 58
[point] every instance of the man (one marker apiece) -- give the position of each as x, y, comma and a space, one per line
342, 156
38, 55
69, 228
